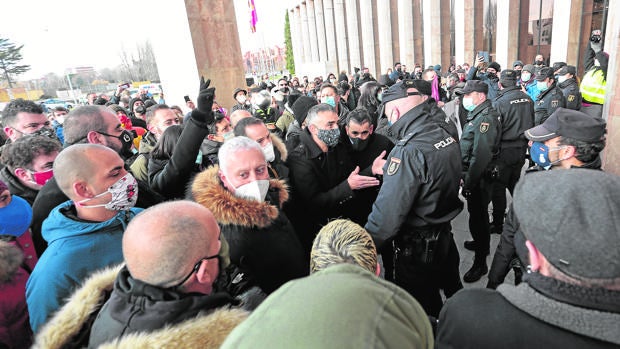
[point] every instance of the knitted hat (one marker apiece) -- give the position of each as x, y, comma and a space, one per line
495, 66
301, 107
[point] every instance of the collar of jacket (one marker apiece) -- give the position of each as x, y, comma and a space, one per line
506, 90
306, 139
208, 191
410, 121
601, 325
542, 95
479, 109
567, 83
17, 187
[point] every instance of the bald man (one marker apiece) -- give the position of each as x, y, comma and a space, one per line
238, 115
171, 251
84, 234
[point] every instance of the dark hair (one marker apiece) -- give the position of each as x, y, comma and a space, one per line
22, 152
116, 108
9, 114
82, 120
217, 119
359, 115
585, 152
167, 142
343, 87
150, 111
245, 122
368, 95
328, 85
61, 108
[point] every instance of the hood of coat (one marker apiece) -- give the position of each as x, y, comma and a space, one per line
279, 145
10, 260
88, 300
208, 191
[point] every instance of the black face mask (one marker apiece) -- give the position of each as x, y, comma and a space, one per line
359, 144
492, 76
44, 131
126, 139
538, 63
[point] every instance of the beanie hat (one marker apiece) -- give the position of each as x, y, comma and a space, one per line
301, 107
495, 66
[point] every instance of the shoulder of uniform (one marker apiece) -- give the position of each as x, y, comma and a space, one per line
405, 139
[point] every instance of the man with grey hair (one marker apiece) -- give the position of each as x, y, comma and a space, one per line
323, 175
247, 205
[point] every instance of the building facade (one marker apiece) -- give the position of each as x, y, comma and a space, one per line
339, 35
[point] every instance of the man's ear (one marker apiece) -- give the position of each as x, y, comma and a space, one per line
22, 174
372, 128
9, 132
211, 137
81, 189
203, 276
94, 138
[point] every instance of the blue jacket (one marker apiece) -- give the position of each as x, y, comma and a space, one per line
532, 90
76, 249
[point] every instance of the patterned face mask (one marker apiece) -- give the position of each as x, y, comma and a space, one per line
124, 195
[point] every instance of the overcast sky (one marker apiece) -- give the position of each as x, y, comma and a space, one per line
66, 33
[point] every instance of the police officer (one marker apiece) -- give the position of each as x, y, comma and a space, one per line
419, 197
569, 86
550, 97
479, 148
516, 111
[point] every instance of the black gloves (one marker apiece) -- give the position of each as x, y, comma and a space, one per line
203, 113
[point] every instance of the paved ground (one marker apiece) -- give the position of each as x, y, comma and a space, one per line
460, 229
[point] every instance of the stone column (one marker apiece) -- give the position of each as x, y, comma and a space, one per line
341, 36
330, 35
384, 29
368, 35
314, 44
295, 37
464, 31
320, 29
507, 40
431, 11
405, 33
354, 36
304, 32
567, 20
210, 24
611, 108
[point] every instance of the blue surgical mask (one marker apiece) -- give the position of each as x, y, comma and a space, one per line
542, 86
468, 104
539, 153
330, 100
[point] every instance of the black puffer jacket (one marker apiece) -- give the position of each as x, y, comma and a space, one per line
260, 236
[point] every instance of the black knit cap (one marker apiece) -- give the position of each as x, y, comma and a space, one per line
301, 106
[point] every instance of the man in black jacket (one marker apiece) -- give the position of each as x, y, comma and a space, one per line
516, 111
419, 197
550, 97
569, 86
323, 176
569, 299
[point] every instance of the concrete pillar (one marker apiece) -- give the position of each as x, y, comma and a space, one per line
507, 39
368, 35
405, 33
330, 31
178, 73
384, 29
320, 30
354, 36
611, 108
210, 24
464, 31
341, 36
431, 11
304, 32
567, 31
314, 44
418, 32
295, 36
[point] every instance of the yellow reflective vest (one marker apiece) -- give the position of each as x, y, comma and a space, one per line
593, 86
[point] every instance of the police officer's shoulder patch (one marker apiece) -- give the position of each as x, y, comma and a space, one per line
571, 98
555, 103
393, 166
484, 127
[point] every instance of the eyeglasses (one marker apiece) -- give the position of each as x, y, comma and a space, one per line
194, 269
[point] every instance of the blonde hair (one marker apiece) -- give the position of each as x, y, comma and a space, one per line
342, 241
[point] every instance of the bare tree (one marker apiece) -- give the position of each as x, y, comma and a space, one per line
139, 65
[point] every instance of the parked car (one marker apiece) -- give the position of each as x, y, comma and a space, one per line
52, 103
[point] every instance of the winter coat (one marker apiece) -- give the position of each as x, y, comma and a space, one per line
70, 326
14, 326
139, 167
278, 168
260, 236
76, 248
343, 306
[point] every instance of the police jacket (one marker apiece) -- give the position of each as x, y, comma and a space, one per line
516, 111
479, 142
547, 102
570, 89
420, 180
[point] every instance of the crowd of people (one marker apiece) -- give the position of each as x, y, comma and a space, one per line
316, 213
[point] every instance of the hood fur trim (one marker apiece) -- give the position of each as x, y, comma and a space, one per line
208, 331
208, 191
11, 258
68, 321
279, 144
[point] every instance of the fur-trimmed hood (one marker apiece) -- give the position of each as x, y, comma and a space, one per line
10, 260
203, 331
280, 146
208, 191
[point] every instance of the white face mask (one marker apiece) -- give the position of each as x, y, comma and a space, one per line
256, 190
269, 153
562, 78
124, 195
241, 99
